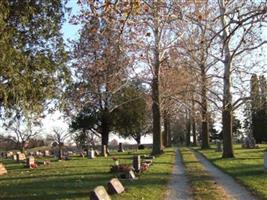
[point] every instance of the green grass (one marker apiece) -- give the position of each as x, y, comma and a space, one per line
202, 183
246, 167
74, 179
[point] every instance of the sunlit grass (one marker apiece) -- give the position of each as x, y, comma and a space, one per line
74, 179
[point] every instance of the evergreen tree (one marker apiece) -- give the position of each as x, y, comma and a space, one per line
258, 108
31, 52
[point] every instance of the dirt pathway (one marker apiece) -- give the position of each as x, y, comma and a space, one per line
234, 190
179, 187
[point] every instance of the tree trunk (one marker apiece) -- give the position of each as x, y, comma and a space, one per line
157, 136
23, 146
105, 136
194, 123
194, 131
188, 130
169, 136
60, 152
166, 122
204, 110
227, 96
137, 138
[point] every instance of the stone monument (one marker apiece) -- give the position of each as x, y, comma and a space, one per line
91, 154
2, 169
99, 193
137, 163
30, 162
115, 186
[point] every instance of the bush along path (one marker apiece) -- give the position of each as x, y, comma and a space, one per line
230, 186
179, 187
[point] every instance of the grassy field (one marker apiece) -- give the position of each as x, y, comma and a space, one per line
246, 167
202, 183
74, 179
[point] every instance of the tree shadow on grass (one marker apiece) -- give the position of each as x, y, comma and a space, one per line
54, 187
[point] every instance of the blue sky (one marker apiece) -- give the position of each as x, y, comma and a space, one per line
71, 31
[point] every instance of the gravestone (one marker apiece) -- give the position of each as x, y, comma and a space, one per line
2, 169
265, 161
147, 161
249, 143
46, 153
91, 154
137, 163
97, 152
104, 151
120, 147
149, 157
115, 186
131, 175
218, 146
14, 157
99, 193
9, 154
21, 157
30, 162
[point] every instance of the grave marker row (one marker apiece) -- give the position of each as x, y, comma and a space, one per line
114, 186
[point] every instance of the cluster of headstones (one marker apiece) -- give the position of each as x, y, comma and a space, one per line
249, 143
114, 186
91, 154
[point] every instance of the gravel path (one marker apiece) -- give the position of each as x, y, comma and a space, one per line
178, 187
234, 190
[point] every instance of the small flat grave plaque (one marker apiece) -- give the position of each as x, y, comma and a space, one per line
115, 186
99, 193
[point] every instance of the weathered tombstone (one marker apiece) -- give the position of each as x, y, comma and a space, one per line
137, 163
30, 162
147, 161
120, 147
131, 175
265, 161
97, 152
2, 169
104, 150
115, 186
21, 157
46, 153
91, 154
9, 154
219, 146
99, 193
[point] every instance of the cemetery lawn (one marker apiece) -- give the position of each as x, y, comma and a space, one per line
74, 179
246, 167
202, 183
